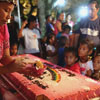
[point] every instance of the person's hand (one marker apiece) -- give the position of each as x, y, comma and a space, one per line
96, 76
24, 23
25, 60
17, 64
31, 70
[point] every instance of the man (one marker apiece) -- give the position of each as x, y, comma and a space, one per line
89, 27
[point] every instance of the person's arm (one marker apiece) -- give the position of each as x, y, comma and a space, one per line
20, 31
6, 59
59, 26
9, 64
89, 73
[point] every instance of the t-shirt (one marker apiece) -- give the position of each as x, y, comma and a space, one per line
61, 61
66, 35
4, 39
50, 47
52, 59
31, 40
74, 68
89, 29
86, 66
49, 28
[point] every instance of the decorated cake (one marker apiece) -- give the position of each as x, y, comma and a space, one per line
55, 83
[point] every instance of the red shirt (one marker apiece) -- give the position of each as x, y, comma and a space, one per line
74, 68
4, 39
55, 27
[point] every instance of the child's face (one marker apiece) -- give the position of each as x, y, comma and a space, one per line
50, 19
67, 31
5, 12
96, 63
70, 58
83, 50
52, 40
14, 50
33, 24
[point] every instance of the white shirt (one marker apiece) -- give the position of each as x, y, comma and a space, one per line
86, 66
50, 47
31, 40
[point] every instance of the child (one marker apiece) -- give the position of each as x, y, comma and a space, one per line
70, 60
51, 49
84, 50
63, 42
49, 26
9, 64
66, 31
13, 49
96, 65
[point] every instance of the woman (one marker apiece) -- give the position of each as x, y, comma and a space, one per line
9, 65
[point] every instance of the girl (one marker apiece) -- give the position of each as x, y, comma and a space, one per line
6, 8
96, 65
84, 50
71, 59
51, 50
14, 49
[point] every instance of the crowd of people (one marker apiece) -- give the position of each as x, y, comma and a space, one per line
73, 51
78, 52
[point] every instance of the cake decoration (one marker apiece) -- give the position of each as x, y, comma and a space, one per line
39, 64
55, 75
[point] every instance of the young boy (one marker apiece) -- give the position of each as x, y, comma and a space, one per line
66, 31
71, 59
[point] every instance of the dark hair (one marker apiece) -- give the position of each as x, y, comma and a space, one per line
49, 37
12, 44
94, 2
58, 14
23, 18
31, 19
66, 27
62, 41
97, 52
47, 17
71, 50
88, 42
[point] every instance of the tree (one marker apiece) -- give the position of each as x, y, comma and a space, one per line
41, 12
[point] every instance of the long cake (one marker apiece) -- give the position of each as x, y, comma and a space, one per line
55, 84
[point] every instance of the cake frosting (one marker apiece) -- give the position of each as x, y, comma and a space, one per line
55, 84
